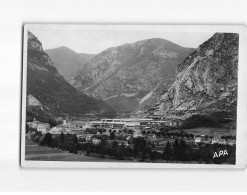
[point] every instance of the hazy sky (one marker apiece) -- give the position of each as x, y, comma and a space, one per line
95, 40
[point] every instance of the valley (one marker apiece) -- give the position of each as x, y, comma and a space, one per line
147, 101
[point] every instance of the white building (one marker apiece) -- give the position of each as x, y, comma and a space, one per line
215, 140
41, 127
222, 141
58, 129
198, 140
231, 142
96, 141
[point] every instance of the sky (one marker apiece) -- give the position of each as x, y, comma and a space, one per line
93, 40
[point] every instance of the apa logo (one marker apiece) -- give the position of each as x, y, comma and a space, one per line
221, 153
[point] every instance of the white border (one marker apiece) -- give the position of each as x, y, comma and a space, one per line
241, 149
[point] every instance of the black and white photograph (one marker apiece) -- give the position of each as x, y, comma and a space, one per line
126, 96
129, 94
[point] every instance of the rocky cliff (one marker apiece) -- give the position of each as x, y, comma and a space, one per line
206, 82
131, 76
50, 89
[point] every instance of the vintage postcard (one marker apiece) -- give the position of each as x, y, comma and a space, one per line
134, 96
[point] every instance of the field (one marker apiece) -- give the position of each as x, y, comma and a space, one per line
216, 132
43, 153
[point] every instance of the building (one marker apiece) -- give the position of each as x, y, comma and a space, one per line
122, 142
33, 124
231, 142
106, 133
96, 141
136, 121
205, 141
137, 134
96, 124
89, 137
215, 140
41, 127
78, 125
120, 124
219, 141
132, 126
222, 141
117, 126
59, 120
198, 140
151, 136
58, 129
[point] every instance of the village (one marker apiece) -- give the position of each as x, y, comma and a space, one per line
124, 132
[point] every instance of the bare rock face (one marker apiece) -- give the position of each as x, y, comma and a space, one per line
124, 75
34, 43
51, 90
206, 81
32, 101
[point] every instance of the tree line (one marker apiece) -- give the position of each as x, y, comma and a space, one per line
139, 149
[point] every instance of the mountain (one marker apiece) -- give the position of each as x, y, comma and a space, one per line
67, 61
123, 76
84, 57
53, 95
205, 88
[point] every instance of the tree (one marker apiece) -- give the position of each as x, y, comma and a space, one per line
47, 139
144, 155
167, 153
182, 150
102, 148
115, 149
52, 122
88, 147
112, 135
75, 139
139, 145
128, 152
121, 152
62, 137
176, 150
200, 120
27, 128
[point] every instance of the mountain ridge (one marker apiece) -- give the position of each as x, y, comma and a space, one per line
54, 93
206, 82
129, 68
67, 61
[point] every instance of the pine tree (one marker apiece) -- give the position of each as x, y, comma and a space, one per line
167, 154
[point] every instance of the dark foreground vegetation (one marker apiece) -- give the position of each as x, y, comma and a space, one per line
139, 149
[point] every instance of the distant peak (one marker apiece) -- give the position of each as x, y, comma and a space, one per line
62, 48
156, 41
92, 54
